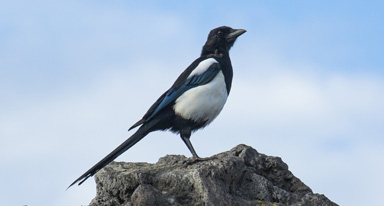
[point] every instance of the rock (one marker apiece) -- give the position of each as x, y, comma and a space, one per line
241, 176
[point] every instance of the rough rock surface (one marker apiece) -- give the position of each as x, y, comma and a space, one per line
241, 176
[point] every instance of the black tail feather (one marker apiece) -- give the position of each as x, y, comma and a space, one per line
137, 136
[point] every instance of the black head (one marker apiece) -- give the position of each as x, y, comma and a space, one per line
221, 39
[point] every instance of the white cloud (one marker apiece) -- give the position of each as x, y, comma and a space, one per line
327, 128
320, 125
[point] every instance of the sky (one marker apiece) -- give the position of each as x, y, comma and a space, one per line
75, 75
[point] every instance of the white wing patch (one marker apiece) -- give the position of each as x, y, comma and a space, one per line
203, 66
203, 103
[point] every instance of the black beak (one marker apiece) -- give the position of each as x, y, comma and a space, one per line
235, 33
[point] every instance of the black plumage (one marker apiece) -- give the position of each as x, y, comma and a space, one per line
192, 102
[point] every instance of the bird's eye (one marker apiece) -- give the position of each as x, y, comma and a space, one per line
219, 33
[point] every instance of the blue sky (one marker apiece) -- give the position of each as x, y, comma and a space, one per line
75, 75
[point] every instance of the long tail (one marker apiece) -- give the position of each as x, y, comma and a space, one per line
137, 136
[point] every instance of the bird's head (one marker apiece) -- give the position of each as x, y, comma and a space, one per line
221, 39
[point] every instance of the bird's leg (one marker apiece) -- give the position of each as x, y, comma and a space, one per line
185, 135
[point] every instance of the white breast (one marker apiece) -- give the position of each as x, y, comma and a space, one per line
203, 103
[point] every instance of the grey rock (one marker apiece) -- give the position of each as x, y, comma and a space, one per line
241, 176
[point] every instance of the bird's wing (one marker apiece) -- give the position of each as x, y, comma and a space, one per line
201, 74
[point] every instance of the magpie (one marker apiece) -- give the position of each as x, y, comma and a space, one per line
193, 101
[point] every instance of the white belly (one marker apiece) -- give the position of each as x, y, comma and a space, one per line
203, 103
